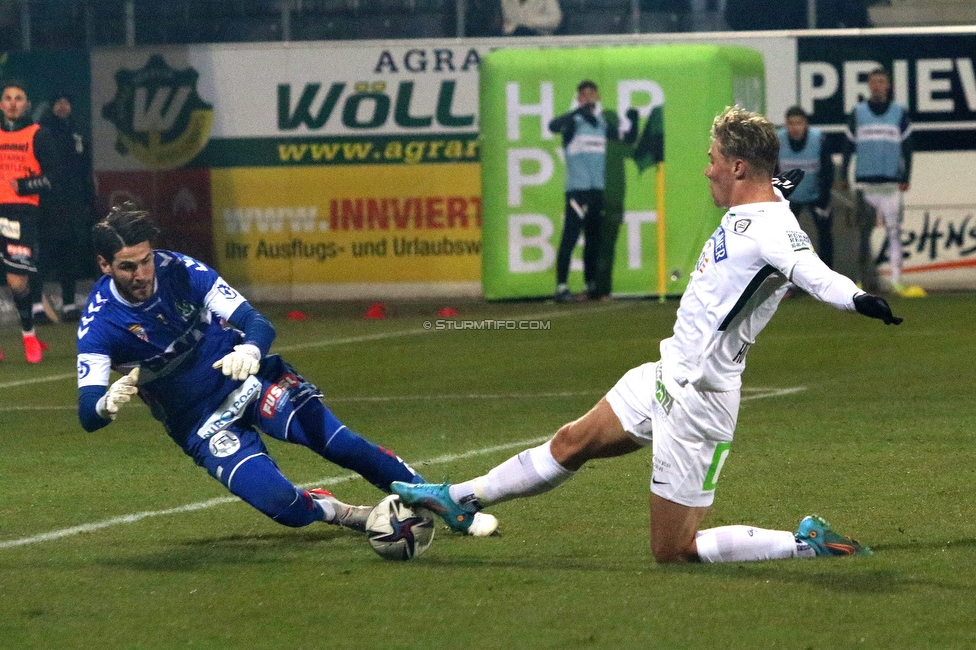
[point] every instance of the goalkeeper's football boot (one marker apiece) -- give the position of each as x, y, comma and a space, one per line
436, 497
816, 532
347, 516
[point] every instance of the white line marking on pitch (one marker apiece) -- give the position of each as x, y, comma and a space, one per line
753, 393
379, 336
757, 393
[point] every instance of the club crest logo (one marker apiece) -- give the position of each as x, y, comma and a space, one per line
159, 116
140, 332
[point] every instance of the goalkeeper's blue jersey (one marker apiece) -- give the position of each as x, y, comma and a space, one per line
174, 337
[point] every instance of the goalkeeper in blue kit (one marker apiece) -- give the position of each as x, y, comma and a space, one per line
196, 352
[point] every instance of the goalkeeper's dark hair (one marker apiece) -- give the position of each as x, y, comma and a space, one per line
749, 136
125, 225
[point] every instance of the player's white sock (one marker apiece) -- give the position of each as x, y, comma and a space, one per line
748, 543
532, 472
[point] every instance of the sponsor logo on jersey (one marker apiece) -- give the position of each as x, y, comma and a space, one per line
741, 225
274, 393
140, 332
720, 251
224, 444
661, 393
10, 228
799, 240
231, 409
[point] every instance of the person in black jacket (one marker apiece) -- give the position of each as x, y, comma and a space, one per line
65, 232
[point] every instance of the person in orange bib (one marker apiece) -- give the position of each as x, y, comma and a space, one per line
28, 167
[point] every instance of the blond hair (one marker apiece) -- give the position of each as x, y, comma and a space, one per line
749, 136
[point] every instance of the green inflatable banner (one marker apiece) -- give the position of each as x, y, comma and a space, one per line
658, 210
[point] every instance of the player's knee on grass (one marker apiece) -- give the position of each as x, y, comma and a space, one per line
669, 553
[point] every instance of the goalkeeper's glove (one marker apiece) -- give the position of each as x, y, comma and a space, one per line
875, 307
118, 394
240, 364
787, 181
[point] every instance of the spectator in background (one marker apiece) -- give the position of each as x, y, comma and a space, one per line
802, 147
531, 17
879, 132
65, 232
29, 167
585, 131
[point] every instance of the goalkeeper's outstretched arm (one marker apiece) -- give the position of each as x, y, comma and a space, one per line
99, 405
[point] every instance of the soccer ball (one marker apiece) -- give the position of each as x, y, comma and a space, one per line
397, 532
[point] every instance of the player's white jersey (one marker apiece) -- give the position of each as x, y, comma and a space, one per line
742, 274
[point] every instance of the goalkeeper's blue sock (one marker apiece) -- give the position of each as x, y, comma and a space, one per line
315, 427
257, 480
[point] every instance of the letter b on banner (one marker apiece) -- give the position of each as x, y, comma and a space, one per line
522, 244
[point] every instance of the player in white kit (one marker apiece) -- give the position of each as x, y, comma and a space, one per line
685, 405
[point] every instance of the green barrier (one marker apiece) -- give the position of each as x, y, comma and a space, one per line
677, 90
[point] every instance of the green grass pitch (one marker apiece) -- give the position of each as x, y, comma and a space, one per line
116, 540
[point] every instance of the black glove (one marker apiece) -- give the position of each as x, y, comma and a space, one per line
586, 112
875, 307
787, 181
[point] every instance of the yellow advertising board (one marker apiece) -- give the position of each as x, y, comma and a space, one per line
346, 231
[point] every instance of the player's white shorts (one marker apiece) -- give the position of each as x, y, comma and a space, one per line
886, 199
690, 431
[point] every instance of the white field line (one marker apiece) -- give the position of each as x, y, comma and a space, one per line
750, 391
755, 393
379, 336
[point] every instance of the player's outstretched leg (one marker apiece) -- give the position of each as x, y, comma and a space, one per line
818, 534
239, 460
315, 427
437, 499
346, 515
257, 480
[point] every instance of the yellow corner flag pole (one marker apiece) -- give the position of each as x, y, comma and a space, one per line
662, 247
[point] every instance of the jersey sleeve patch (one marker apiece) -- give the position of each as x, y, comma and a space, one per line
223, 299
799, 240
93, 370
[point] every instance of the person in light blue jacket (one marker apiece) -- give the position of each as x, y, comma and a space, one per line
879, 132
585, 131
803, 147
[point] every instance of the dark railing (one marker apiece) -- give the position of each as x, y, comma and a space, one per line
61, 24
